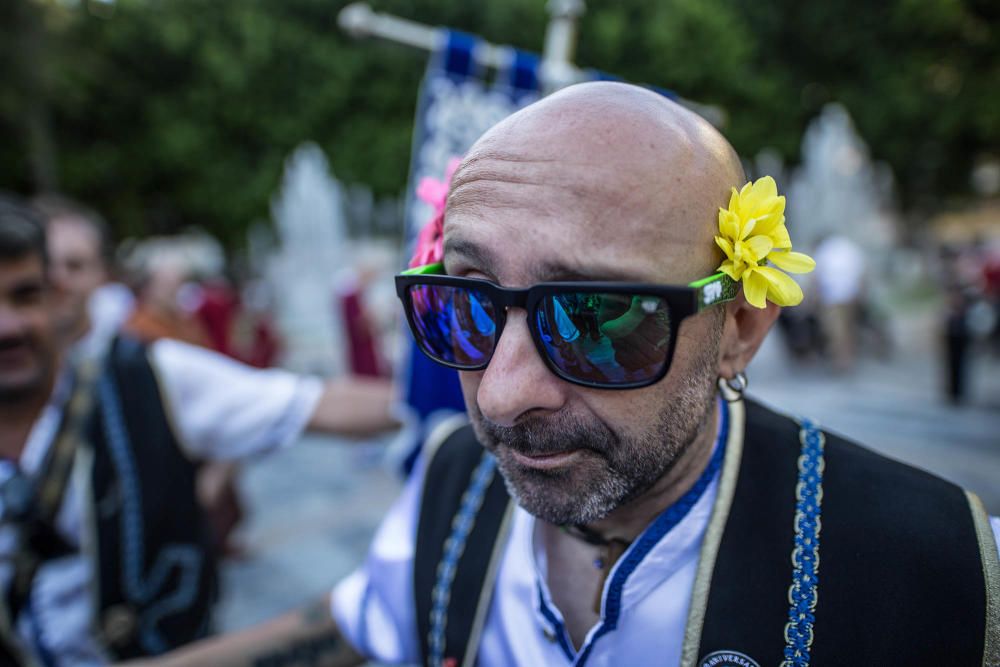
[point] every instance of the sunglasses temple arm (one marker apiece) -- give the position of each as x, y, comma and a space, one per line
435, 269
713, 290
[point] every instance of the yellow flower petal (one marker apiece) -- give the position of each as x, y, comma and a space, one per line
734, 200
780, 237
759, 246
729, 224
766, 187
781, 289
755, 287
730, 269
725, 245
759, 199
767, 223
793, 262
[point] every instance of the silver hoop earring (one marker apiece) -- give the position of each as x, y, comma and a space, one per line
733, 388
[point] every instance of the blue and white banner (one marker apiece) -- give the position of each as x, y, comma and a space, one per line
456, 106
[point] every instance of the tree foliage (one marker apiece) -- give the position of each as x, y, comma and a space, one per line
168, 113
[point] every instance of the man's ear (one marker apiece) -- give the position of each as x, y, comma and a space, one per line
743, 332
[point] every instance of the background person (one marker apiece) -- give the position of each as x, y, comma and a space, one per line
104, 548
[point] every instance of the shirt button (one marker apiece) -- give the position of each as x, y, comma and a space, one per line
551, 636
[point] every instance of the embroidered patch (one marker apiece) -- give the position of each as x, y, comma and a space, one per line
727, 659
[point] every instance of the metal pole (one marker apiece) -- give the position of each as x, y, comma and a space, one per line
560, 45
359, 20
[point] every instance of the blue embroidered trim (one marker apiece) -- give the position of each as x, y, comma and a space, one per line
652, 535
559, 629
802, 594
454, 546
137, 586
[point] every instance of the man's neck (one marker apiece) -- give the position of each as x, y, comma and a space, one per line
18, 416
629, 520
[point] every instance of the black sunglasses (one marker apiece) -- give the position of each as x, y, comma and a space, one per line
606, 335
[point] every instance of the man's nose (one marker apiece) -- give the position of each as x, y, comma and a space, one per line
517, 381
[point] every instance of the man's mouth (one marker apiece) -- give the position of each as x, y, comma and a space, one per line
14, 353
547, 460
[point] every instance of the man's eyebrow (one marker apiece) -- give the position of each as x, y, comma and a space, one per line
482, 258
558, 272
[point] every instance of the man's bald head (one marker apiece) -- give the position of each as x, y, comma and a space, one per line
661, 170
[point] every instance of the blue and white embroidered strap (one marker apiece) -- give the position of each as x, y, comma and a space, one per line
802, 594
454, 546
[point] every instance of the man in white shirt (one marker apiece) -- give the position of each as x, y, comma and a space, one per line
110, 449
840, 277
616, 500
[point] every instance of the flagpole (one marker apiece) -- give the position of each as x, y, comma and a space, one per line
557, 69
359, 20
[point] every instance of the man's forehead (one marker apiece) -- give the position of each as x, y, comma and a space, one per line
589, 219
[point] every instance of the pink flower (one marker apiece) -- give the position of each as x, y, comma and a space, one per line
430, 240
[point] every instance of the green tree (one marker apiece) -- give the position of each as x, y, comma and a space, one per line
168, 114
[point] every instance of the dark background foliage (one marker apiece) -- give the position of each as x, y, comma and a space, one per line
171, 113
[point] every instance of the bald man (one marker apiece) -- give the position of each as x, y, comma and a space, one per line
615, 500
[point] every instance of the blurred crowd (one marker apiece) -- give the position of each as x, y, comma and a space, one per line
971, 311
842, 321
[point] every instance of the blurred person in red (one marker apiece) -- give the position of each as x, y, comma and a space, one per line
362, 342
104, 552
217, 310
161, 308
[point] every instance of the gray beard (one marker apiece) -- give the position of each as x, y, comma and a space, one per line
613, 469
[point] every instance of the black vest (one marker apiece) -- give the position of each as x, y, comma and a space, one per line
149, 545
903, 574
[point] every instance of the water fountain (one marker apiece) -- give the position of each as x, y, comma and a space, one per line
313, 246
838, 189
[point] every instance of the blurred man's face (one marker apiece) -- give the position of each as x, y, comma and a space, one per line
27, 337
76, 269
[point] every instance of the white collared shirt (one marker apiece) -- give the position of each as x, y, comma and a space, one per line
374, 605
221, 409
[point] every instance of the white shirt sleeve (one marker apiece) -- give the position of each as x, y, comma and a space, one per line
373, 606
223, 409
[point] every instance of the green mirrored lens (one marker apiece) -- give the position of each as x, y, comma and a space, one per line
605, 338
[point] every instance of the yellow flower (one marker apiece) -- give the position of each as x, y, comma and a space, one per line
752, 232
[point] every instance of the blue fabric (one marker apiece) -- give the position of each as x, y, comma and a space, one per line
457, 55
524, 71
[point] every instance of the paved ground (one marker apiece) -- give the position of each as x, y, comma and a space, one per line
313, 507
